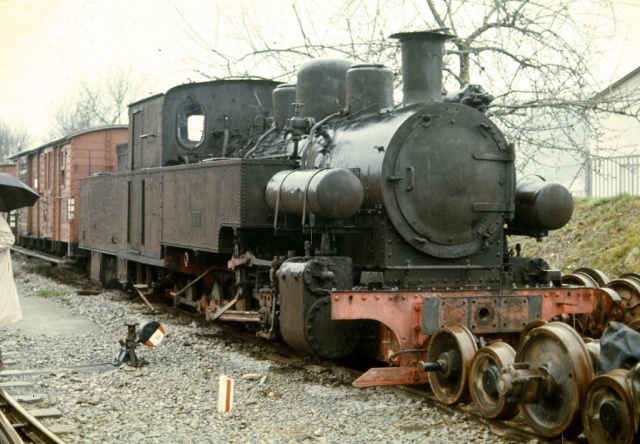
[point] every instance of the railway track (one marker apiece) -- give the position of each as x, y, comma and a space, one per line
515, 429
18, 426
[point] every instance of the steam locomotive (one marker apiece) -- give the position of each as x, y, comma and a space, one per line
323, 215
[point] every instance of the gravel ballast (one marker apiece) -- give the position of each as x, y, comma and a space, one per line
174, 398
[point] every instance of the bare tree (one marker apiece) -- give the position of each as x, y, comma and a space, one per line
12, 140
98, 101
535, 56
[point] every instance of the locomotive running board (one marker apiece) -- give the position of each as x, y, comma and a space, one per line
391, 376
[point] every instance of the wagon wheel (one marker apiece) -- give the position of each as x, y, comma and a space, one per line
589, 278
483, 379
579, 280
635, 276
557, 350
598, 276
608, 411
629, 290
454, 347
527, 328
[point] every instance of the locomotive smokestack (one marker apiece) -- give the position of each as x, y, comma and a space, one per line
422, 65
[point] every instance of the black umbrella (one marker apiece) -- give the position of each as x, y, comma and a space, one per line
15, 194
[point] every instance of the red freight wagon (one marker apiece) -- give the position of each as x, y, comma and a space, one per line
54, 170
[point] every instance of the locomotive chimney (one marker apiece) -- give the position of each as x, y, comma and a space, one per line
422, 65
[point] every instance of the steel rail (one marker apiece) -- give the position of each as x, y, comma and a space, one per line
15, 420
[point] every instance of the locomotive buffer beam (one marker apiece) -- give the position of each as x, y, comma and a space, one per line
413, 317
391, 376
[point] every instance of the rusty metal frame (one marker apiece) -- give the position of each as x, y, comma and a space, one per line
403, 340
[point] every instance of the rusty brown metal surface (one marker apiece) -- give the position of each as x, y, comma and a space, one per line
549, 380
399, 311
454, 348
609, 413
474, 309
629, 290
599, 277
579, 280
391, 376
483, 380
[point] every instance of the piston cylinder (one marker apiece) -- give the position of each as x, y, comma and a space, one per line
334, 193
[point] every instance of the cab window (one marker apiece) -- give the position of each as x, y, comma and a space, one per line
191, 124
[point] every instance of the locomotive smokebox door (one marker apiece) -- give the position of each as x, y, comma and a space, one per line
446, 188
305, 306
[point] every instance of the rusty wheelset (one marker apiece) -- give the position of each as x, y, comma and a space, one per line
550, 379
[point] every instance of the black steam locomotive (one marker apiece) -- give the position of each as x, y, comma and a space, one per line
323, 215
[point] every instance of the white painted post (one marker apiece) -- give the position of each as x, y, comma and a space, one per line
225, 394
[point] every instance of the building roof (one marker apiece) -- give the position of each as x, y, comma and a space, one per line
618, 83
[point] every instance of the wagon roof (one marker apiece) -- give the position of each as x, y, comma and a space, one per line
67, 138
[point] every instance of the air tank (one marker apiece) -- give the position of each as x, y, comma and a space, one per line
283, 97
320, 83
334, 193
369, 88
543, 205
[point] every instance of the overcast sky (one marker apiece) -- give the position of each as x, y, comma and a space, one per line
47, 45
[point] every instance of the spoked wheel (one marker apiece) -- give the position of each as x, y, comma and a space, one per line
608, 410
549, 380
483, 380
453, 347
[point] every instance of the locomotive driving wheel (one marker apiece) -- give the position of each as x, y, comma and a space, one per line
608, 410
549, 380
483, 380
453, 347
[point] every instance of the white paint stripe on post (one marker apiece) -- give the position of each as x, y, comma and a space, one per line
225, 394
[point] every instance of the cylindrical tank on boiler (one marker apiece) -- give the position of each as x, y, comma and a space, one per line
369, 88
283, 97
334, 193
543, 205
320, 83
